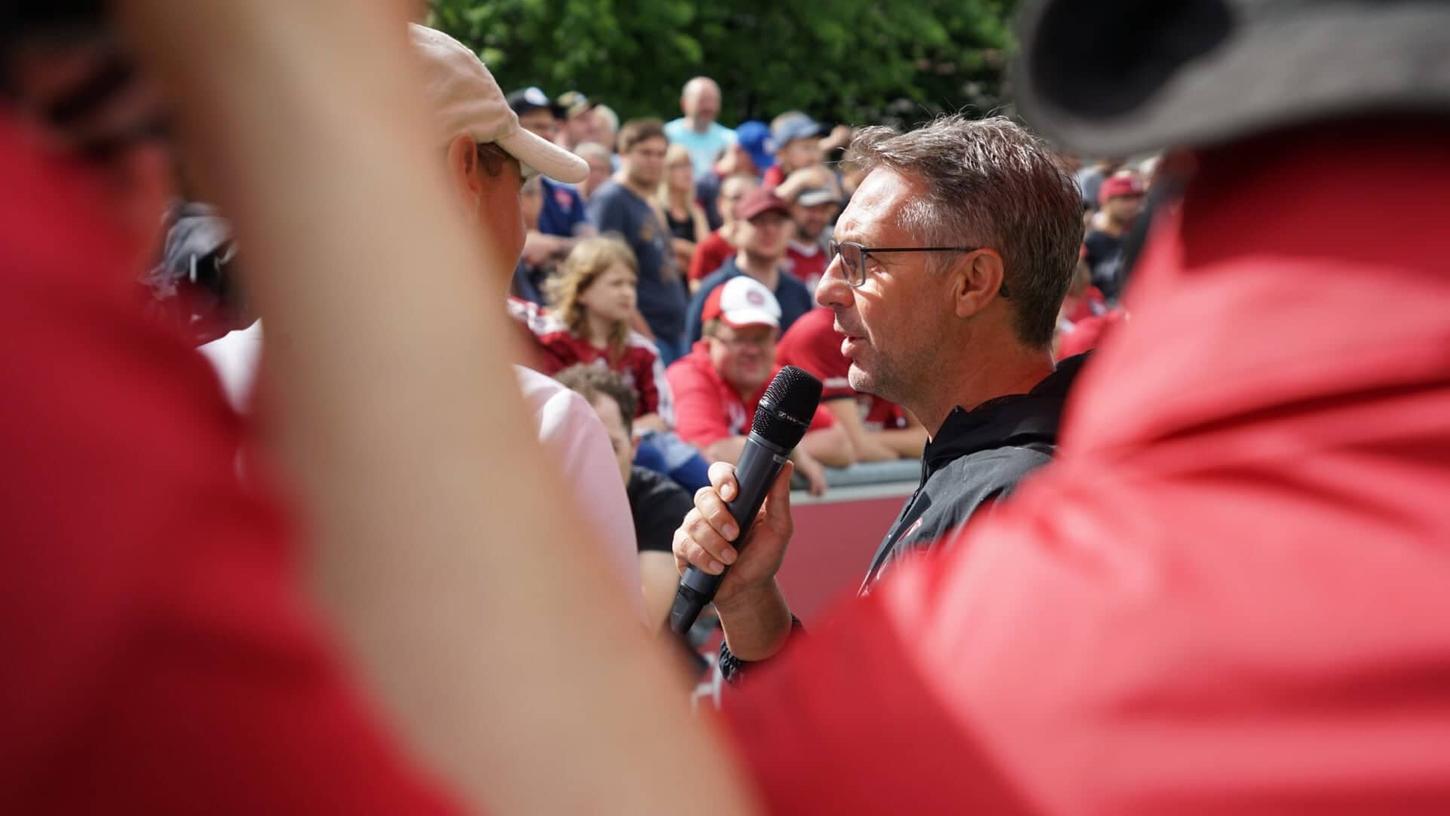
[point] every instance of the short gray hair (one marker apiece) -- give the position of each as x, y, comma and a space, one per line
990, 183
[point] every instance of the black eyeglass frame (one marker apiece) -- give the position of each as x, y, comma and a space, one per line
858, 279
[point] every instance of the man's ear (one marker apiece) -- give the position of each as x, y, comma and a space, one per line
977, 281
463, 167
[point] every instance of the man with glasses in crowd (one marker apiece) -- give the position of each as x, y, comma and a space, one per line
948, 268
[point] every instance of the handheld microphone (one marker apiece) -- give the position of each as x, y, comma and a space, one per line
781, 420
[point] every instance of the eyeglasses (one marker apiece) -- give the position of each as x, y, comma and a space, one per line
853, 257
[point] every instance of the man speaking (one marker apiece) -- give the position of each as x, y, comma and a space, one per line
948, 269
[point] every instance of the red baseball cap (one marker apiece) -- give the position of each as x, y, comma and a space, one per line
1123, 184
741, 302
760, 201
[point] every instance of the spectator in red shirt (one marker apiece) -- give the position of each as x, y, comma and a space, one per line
719, 383
594, 299
815, 201
879, 430
593, 296
719, 246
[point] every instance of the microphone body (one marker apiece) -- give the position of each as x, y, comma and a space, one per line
760, 463
781, 420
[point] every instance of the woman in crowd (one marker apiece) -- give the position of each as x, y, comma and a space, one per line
685, 217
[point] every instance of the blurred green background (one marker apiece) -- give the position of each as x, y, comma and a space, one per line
856, 61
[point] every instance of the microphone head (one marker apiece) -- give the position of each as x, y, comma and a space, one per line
786, 409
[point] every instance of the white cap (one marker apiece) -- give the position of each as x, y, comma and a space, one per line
742, 301
466, 99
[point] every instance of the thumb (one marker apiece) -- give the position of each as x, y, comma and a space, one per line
777, 502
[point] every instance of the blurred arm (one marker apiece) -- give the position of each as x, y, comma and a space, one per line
308, 129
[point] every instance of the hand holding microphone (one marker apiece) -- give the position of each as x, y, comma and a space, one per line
731, 545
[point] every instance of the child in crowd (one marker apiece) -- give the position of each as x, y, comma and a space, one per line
593, 298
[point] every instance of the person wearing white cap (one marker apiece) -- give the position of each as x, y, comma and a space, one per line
489, 154
719, 383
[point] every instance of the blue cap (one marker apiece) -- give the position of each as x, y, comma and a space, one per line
754, 136
792, 126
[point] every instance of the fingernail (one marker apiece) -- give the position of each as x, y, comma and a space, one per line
716, 567
727, 492
731, 531
728, 555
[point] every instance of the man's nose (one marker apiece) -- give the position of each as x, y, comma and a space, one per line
832, 291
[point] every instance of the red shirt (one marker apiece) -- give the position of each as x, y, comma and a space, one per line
707, 409
639, 365
710, 255
161, 658
1086, 334
1228, 593
812, 344
807, 262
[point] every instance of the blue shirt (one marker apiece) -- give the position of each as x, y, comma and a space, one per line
705, 148
794, 298
563, 209
661, 288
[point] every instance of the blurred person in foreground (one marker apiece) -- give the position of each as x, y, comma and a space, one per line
625, 205
718, 385
1174, 655
190, 644
656, 502
697, 130
762, 234
947, 307
1253, 621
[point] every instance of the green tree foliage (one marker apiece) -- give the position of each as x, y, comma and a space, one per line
854, 61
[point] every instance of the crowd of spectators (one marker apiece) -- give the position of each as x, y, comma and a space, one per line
642, 270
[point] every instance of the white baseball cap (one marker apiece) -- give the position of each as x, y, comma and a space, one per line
742, 301
466, 99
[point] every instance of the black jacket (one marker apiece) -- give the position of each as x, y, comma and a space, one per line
977, 457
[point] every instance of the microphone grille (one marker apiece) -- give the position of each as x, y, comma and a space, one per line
786, 409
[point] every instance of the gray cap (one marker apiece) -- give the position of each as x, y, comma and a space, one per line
1116, 77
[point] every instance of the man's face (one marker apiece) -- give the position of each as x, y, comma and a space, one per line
580, 126
765, 236
612, 294
619, 441
799, 153
600, 170
597, 129
645, 162
703, 102
499, 210
1123, 209
892, 322
730, 194
540, 122
810, 222
744, 356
